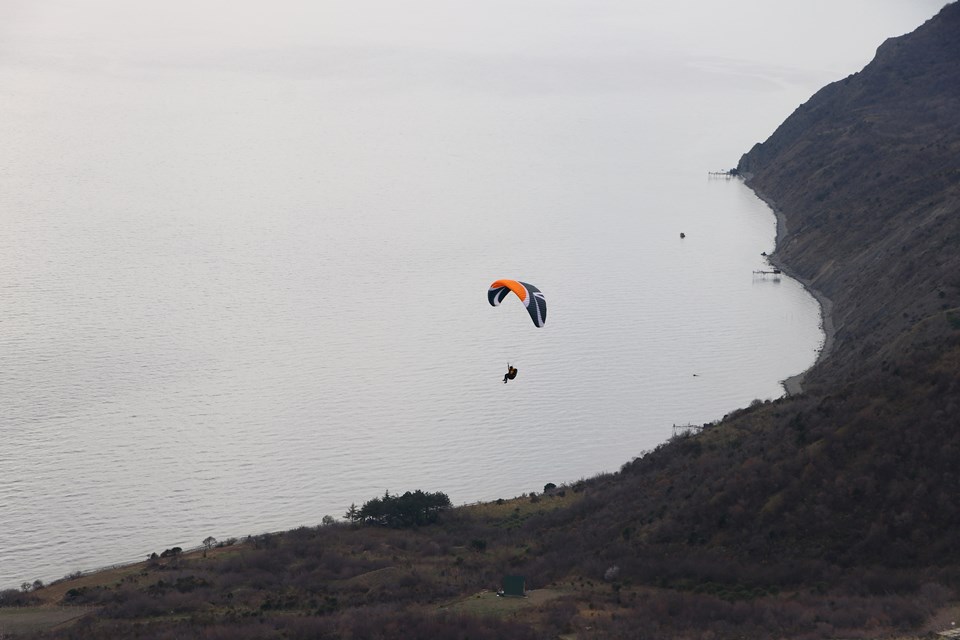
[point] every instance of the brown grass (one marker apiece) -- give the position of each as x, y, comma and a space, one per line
523, 506
18, 620
488, 603
53, 593
49, 614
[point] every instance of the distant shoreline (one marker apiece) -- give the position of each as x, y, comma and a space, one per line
794, 384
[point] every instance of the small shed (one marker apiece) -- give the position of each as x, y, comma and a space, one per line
513, 586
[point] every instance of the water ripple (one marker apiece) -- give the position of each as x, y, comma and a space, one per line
213, 325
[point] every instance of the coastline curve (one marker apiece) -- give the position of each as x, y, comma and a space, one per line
794, 384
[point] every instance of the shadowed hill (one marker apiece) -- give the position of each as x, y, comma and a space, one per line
832, 513
861, 470
868, 173
864, 468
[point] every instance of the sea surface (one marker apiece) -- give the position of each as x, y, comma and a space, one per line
245, 248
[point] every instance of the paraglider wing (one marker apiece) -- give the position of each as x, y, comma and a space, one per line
531, 297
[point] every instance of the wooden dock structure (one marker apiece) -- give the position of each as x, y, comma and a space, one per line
729, 173
687, 429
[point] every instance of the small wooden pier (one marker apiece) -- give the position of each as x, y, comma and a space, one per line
729, 173
687, 429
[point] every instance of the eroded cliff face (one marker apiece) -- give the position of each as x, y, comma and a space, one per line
867, 176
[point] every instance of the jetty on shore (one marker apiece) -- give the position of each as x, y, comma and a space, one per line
729, 173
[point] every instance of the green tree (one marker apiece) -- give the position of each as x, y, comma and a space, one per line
411, 509
352, 514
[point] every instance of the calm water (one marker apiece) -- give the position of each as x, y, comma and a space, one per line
244, 251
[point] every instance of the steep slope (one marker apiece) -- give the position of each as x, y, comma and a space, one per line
850, 487
868, 173
860, 472
862, 469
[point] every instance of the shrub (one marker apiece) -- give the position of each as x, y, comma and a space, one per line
17, 598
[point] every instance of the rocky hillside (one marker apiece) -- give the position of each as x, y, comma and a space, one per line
868, 175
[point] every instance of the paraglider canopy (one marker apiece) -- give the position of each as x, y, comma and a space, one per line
531, 297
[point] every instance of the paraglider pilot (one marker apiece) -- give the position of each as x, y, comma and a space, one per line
510, 374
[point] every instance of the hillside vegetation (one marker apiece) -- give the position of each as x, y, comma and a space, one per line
830, 513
